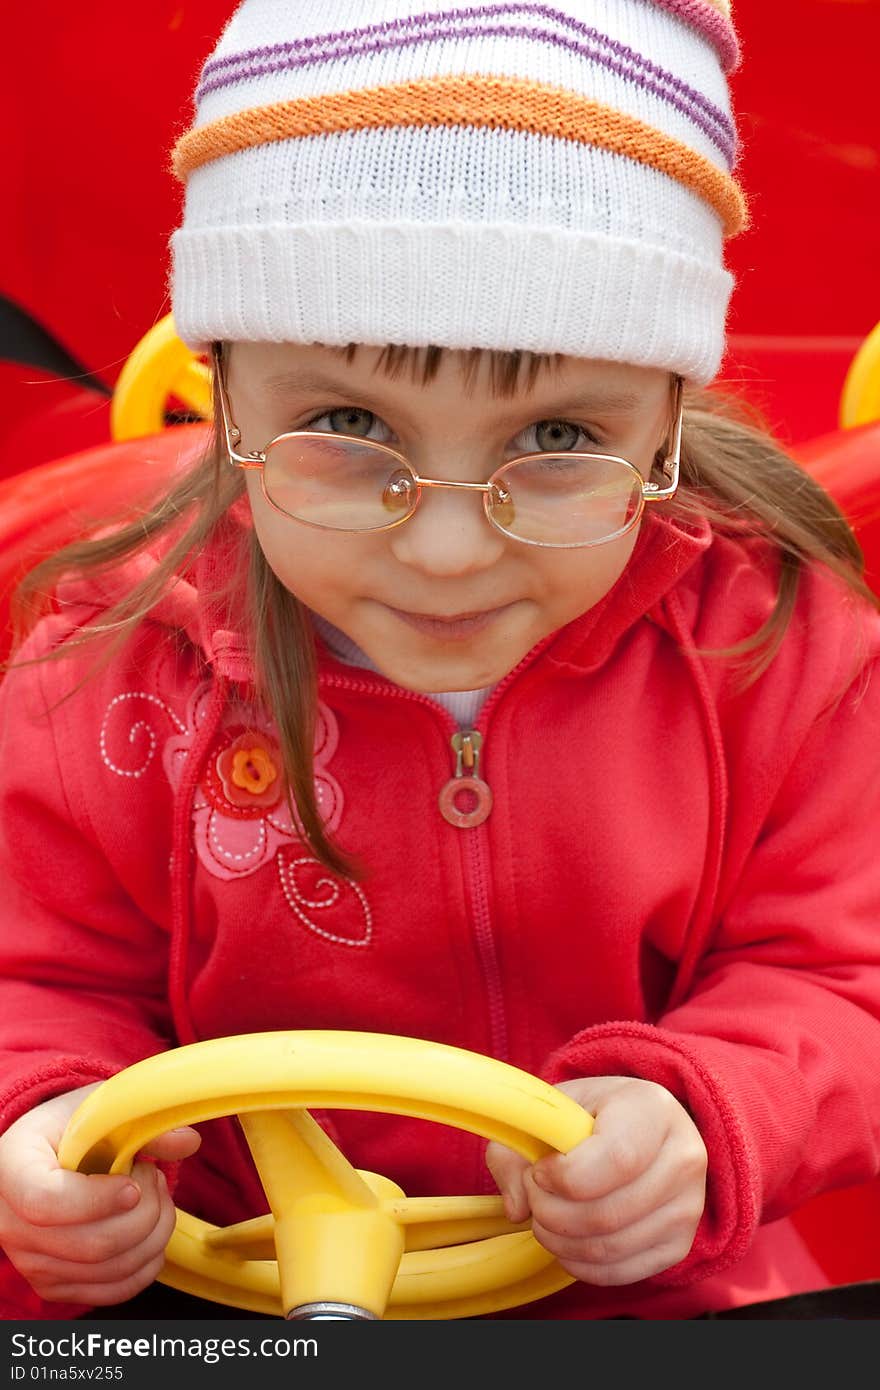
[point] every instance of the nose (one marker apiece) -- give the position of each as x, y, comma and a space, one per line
448, 535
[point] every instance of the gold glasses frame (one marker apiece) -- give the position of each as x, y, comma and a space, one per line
650, 491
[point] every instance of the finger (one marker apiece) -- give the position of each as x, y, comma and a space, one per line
641, 1265
106, 1295
43, 1196
622, 1146
92, 1242
679, 1170
119, 1265
41, 1192
669, 1229
509, 1170
174, 1145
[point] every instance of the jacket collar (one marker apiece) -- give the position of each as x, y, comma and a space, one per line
667, 548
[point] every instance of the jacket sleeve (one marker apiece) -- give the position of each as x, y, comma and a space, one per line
775, 1051
82, 969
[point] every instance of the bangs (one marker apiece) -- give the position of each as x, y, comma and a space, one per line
510, 372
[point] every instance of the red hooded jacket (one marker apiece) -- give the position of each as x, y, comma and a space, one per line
679, 880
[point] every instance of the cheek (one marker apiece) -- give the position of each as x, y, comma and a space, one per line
308, 562
576, 580
281, 541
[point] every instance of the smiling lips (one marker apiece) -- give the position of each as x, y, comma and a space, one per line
460, 626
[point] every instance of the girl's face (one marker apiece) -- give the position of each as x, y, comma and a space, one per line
398, 593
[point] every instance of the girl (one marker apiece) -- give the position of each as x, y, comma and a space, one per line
485, 683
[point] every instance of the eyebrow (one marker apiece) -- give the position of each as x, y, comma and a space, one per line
598, 400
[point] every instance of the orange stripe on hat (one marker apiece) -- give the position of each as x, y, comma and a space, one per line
489, 102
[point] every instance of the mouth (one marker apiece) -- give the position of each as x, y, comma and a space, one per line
450, 627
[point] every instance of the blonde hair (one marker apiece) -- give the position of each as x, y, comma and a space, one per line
732, 472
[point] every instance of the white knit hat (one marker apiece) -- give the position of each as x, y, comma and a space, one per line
544, 177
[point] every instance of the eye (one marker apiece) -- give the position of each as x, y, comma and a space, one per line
556, 437
353, 421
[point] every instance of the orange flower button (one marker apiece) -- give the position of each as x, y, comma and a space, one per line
253, 770
249, 770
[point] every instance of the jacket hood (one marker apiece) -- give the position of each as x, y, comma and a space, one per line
666, 550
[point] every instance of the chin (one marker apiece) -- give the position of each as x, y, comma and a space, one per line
440, 676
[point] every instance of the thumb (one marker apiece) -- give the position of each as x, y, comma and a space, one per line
509, 1171
173, 1145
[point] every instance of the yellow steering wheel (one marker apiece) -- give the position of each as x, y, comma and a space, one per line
340, 1242
860, 397
160, 366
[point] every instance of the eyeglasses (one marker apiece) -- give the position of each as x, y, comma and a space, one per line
342, 483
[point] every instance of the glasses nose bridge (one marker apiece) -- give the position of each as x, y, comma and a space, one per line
448, 483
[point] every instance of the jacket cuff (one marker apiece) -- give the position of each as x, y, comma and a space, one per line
731, 1214
44, 1082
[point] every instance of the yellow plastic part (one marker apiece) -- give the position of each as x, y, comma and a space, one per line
860, 398
337, 1234
158, 367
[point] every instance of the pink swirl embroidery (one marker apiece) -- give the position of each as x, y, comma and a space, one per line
127, 740
335, 908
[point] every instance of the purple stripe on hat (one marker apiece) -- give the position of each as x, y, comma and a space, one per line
630, 65
510, 7
702, 15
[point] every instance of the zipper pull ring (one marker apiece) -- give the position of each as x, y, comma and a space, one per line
466, 782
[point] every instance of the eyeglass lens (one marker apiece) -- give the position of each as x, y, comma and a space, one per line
348, 485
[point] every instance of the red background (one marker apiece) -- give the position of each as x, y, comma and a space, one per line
96, 94
93, 97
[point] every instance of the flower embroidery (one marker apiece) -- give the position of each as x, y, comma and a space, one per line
240, 812
241, 816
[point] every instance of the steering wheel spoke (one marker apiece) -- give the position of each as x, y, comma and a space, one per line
323, 1211
298, 1162
430, 1223
249, 1240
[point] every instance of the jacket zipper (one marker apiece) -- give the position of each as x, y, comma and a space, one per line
467, 746
476, 849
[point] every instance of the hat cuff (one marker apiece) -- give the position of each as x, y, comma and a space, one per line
455, 286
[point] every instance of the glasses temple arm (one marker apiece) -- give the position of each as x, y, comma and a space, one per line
232, 432
653, 492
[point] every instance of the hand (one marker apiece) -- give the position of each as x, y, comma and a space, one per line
95, 1239
623, 1204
